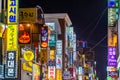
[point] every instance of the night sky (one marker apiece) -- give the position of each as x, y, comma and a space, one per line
89, 18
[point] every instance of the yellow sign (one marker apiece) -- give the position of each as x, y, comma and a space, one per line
28, 55
12, 37
12, 12
59, 74
28, 15
27, 66
112, 38
36, 72
52, 54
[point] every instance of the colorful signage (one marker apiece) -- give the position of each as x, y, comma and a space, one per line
28, 55
24, 34
113, 74
27, 66
51, 25
11, 65
113, 12
58, 74
12, 12
28, 15
52, 40
51, 62
59, 47
44, 36
36, 72
51, 72
112, 58
74, 48
52, 54
12, 37
58, 61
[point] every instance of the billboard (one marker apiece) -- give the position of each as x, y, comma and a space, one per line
11, 65
112, 57
12, 9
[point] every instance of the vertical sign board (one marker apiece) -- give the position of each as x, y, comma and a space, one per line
36, 72
44, 36
52, 40
71, 37
11, 65
59, 62
51, 72
59, 47
0, 10
1, 71
12, 37
112, 57
12, 17
74, 48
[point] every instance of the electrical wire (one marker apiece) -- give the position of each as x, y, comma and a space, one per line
99, 42
96, 24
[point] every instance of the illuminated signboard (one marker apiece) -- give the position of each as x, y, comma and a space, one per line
59, 47
51, 72
1, 71
12, 37
113, 74
112, 17
51, 62
52, 54
51, 25
112, 58
11, 65
36, 72
28, 15
113, 3
52, 40
0, 6
58, 74
28, 55
44, 36
74, 48
58, 61
12, 12
24, 34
